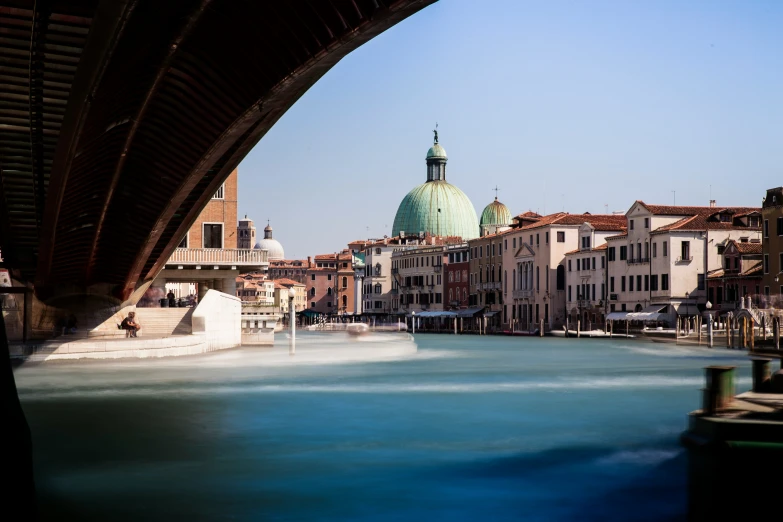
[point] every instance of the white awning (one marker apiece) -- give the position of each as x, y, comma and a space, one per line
437, 314
651, 313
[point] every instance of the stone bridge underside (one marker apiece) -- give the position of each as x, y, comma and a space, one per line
119, 119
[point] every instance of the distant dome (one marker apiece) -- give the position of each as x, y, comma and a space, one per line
436, 151
272, 246
436, 207
496, 213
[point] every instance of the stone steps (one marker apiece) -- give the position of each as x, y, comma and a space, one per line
165, 321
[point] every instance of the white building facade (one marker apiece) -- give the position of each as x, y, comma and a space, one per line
660, 264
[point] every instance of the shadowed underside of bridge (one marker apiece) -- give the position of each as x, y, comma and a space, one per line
119, 119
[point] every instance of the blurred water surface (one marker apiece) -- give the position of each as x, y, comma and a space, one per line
379, 428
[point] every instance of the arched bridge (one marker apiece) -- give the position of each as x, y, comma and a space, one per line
119, 119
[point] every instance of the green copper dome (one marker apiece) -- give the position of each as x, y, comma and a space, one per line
436, 151
436, 207
496, 213
439, 208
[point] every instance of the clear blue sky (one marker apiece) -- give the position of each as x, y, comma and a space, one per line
563, 105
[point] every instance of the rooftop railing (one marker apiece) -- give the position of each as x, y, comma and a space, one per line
219, 256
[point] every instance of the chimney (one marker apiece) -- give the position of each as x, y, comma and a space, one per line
309, 261
712, 203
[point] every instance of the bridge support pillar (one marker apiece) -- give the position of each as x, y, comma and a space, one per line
203, 286
229, 286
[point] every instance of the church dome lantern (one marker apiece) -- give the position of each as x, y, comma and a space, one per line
436, 206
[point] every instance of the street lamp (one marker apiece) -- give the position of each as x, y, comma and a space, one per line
708, 306
292, 319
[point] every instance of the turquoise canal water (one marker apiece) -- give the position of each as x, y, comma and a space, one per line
378, 428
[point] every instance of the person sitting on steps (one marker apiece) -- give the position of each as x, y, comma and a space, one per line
130, 324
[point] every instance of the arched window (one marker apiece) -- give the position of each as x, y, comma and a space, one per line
465, 275
505, 282
500, 273
451, 277
464, 294
451, 294
538, 279
345, 301
378, 288
329, 291
560, 277
345, 282
312, 292
514, 279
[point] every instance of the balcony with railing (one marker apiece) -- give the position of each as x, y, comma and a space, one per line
522, 294
683, 259
244, 257
638, 261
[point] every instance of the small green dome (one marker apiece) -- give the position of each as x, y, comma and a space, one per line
436, 151
496, 213
438, 208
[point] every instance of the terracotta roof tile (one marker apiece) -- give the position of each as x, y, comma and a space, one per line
288, 282
748, 248
604, 222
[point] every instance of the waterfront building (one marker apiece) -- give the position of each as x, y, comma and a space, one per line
772, 247
374, 280
456, 289
271, 245
495, 218
330, 283
534, 257
246, 233
417, 270
659, 264
739, 276
436, 207
486, 275
586, 274
295, 269
255, 288
281, 299
209, 255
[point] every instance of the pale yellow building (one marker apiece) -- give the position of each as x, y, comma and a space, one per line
281, 295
